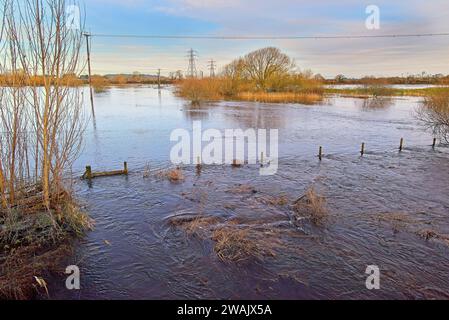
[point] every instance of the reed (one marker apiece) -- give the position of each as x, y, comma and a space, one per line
280, 97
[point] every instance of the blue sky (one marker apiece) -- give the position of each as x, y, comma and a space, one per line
275, 18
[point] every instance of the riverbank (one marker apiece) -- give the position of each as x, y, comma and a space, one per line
35, 240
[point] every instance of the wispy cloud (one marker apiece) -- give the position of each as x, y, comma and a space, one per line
287, 17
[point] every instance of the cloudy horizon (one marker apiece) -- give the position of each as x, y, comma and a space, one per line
329, 57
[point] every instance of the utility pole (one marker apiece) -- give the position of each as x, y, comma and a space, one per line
90, 73
191, 71
212, 66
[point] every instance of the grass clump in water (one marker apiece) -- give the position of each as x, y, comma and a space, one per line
233, 244
195, 225
311, 206
173, 175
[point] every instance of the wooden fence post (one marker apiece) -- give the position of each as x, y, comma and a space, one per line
88, 173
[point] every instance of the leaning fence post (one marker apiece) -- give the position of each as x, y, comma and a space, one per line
434, 143
88, 173
320, 154
362, 151
401, 145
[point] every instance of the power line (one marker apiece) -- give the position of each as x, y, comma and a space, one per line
233, 37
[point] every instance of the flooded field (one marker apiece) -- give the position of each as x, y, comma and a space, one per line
388, 209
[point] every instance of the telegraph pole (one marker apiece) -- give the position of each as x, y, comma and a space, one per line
90, 72
192, 72
212, 66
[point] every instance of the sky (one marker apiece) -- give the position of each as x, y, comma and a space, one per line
329, 57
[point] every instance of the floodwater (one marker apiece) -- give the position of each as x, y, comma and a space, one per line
393, 86
379, 205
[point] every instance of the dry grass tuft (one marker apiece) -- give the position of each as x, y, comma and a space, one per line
146, 171
429, 234
311, 206
237, 163
281, 97
20, 267
396, 218
173, 175
233, 244
33, 241
281, 200
233, 241
239, 243
242, 188
195, 225
200, 90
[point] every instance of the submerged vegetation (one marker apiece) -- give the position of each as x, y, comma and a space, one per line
311, 206
265, 75
239, 239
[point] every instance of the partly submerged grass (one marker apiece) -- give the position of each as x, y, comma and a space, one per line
235, 244
280, 97
173, 175
195, 225
311, 206
367, 92
232, 241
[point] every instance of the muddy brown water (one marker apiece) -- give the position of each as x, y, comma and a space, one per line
379, 205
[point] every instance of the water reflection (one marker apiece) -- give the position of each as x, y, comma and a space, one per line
376, 103
197, 112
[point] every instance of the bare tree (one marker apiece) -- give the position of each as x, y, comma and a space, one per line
265, 64
43, 119
434, 112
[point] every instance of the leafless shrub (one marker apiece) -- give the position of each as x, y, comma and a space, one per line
434, 113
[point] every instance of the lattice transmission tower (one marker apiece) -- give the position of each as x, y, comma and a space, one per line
192, 71
212, 67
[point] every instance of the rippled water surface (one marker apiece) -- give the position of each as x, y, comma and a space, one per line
379, 205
